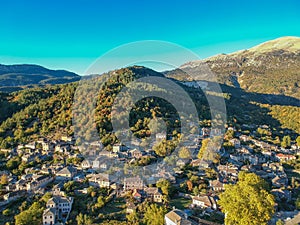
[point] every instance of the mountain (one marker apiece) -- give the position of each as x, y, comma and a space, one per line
257, 85
47, 111
272, 67
16, 77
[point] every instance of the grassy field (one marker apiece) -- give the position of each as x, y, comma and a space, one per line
180, 203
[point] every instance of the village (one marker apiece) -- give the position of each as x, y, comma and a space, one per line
188, 186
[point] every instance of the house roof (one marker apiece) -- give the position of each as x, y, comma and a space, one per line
40, 178
86, 162
49, 212
178, 217
216, 183
152, 191
133, 180
59, 199
100, 177
66, 170
58, 186
136, 193
207, 200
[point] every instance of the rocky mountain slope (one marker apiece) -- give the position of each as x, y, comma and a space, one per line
272, 67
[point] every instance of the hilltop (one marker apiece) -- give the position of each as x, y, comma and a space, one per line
17, 77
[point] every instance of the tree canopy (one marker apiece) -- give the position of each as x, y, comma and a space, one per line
248, 202
154, 215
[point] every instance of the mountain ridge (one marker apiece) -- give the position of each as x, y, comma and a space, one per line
269, 68
20, 76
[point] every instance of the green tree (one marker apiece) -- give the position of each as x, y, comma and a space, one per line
23, 206
298, 141
154, 215
196, 190
133, 218
13, 163
100, 202
165, 186
297, 203
69, 186
248, 201
46, 197
6, 212
279, 222
229, 134
286, 142
4, 179
83, 219
31, 216
211, 173
203, 147
184, 153
164, 148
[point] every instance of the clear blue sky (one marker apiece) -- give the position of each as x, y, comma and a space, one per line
72, 34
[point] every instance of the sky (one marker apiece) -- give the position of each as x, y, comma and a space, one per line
71, 35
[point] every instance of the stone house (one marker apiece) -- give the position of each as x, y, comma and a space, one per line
49, 216
154, 194
216, 185
100, 180
205, 201
57, 208
132, 183
67, 173
177, 217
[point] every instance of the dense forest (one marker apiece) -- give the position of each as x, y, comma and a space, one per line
31, 113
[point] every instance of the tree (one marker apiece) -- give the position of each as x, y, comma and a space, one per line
279, 222
229, 134
6, 212
93, 194
100, 202
13, 163
23, 206
184, 153
69, 186
83, 219
4, 179
164, 148
203, 148
298, 141
154, 215
196, 191
46, 197
133, 218
211, 173
165, 186
297, 203
189, 185
31, 216
248, 201
286, 142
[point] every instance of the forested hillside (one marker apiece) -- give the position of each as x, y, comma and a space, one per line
31, 113
18, 77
